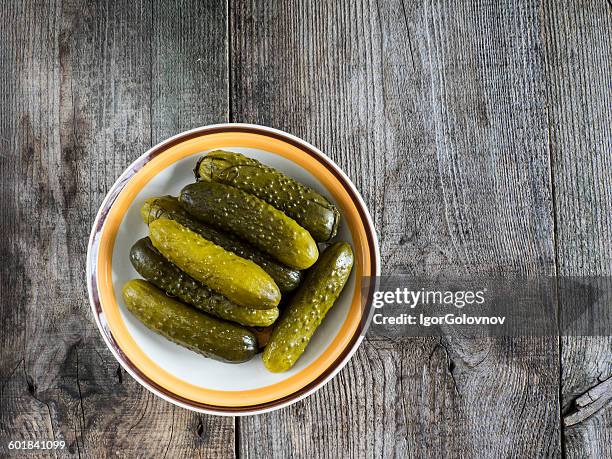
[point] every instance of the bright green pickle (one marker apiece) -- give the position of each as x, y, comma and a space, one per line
186, 326
239, 280
306, 310
151, 265
251, 219
287, 279
307, 207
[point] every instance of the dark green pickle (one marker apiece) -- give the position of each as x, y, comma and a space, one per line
307, 207
251, 219
151, 265
304, 313
287, 279
186, 326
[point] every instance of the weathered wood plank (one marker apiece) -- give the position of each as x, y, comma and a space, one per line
36, 329
86, 88
579, 58
437, 112
189, 67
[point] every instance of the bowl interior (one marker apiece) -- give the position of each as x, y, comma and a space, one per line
183, 363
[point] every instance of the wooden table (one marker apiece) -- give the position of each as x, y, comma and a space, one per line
477, 132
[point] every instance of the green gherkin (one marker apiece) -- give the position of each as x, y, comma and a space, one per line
151, 265
307, 207
186, 326
251, 219
304, 313
239, 280
286, 278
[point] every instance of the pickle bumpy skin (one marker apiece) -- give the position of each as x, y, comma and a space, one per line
239, 280
186, 326
307, 207
287, 279
306, 310
151, 265
251, 219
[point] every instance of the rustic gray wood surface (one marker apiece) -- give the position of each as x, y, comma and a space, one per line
477, 132
579, 94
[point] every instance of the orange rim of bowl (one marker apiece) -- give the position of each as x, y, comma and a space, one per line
120, 199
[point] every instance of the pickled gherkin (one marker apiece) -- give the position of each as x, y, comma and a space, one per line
287, 279
307, 207
151, 265
186, 326
239, 280
308, 307
251, 219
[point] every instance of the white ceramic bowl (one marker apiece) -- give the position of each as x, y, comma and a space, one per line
176, 373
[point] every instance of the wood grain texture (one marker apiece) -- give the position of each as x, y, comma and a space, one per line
579, 58
86, 88
477, 132
437, 112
